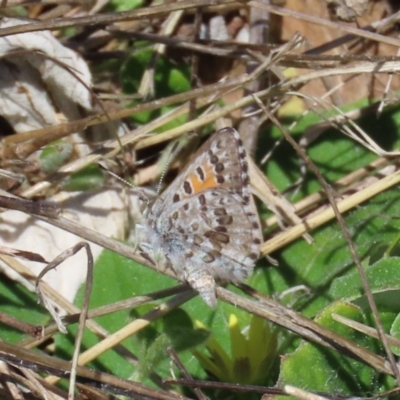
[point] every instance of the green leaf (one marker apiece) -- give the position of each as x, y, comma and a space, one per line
90, 177
125, 5
54, 156
178, 80
178, 326
319, 265
395, 332
151, 356
315, 368
382, 276
373, 226
133, 69
117, 278
335, 155
174, 122
21, 304
169, 78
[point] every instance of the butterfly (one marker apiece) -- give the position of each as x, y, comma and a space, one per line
205, 225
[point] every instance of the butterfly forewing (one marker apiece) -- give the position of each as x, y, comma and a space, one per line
205, 226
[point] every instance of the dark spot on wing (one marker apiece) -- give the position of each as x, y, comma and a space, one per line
214, 159
208, 258
219, 167
202, 200
200, 173
197, 240
211, 256
187, 187
225, 220
220, 211
253, 256
217, 236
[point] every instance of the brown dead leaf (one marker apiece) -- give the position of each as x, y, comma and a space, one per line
353, 87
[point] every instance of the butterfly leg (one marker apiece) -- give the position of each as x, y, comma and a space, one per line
204, 284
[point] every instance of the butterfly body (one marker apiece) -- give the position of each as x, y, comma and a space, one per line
205, 225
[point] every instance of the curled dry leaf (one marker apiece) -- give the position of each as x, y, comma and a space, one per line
103, 212
39, 80
38, 77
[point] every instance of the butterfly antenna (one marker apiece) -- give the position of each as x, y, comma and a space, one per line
164, 172
140, 192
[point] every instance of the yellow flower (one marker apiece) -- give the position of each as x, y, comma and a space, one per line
252, 354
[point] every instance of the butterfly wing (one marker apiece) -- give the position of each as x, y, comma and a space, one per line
206, 220
224, 239
219, 163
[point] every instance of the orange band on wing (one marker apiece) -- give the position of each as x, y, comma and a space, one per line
199, 185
